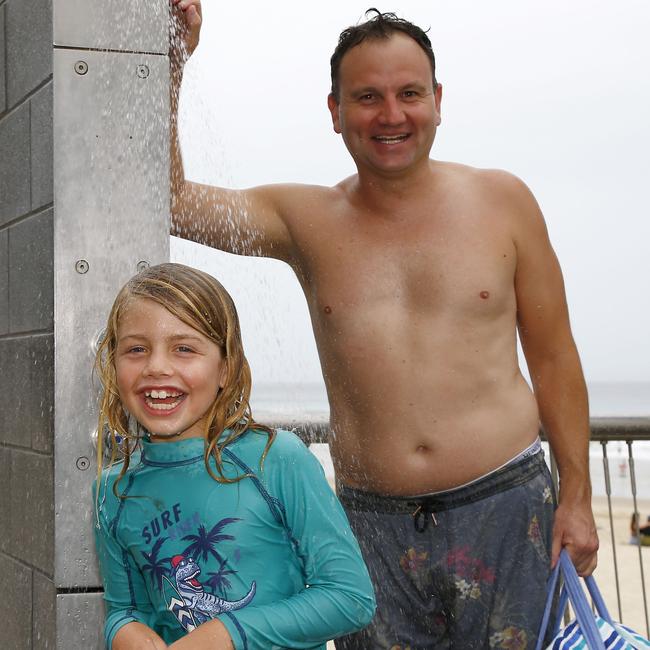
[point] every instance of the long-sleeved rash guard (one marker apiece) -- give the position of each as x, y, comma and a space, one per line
271, 556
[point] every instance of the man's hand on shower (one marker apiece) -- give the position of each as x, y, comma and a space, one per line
185, 28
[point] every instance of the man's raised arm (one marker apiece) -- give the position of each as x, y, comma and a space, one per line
247, 222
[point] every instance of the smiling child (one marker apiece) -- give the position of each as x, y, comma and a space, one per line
212, 531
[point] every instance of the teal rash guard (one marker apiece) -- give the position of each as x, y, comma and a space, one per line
271, 556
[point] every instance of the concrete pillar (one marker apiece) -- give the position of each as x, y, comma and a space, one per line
83, 201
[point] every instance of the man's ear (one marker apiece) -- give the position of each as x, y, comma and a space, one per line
333, 105
437, 98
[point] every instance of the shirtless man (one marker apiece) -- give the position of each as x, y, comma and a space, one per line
418, 274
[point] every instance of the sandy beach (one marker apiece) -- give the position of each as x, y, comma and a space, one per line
629, 571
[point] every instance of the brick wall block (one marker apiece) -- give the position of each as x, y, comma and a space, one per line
44, 614
5, 501
31, 280
14, 165
32, 509
16, 604
27, 387
41, 147
4, 281
3, 96
29, 46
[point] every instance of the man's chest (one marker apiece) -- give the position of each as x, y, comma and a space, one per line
467, 267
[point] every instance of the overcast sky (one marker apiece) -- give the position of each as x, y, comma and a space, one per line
556, 92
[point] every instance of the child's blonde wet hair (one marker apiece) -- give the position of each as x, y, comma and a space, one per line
201, 302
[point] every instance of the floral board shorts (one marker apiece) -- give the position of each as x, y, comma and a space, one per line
462, 569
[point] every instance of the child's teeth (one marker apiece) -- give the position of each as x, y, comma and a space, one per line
162, 394
163, 407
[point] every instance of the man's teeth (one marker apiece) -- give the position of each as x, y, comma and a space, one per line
390, 138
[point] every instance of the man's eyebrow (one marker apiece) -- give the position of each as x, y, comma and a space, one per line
414, 84
363, 90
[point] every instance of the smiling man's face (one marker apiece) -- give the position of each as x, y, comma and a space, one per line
388, 109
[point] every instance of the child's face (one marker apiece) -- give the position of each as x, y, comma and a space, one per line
168, 373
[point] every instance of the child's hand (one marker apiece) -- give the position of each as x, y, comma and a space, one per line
209, 636
185, 29
136, 636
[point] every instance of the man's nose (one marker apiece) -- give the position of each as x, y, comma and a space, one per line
392, 112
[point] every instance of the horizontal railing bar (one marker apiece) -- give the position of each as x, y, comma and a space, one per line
620, 428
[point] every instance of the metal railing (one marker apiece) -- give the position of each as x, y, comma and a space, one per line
603, 430
629, 431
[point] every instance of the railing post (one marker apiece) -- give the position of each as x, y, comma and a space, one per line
636, 509
608, 492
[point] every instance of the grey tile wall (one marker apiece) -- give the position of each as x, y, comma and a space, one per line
44, 614
4, 281
15, 164
29, 46
15, 612
27, 509
31, 283
41, 147
32, 509
27, 387
5, 504
26, 327
3, 94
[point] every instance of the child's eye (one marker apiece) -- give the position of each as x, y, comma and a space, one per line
184, 348
136, 349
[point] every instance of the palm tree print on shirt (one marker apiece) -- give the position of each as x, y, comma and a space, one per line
156, 567
203, 544
218, 581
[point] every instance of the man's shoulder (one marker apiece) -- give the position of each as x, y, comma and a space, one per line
294, 201
501, 191
492, 180
293, 193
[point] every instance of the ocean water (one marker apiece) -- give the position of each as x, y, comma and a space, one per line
307, 402
619, 399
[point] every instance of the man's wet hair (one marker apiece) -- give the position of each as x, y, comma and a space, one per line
381, 25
